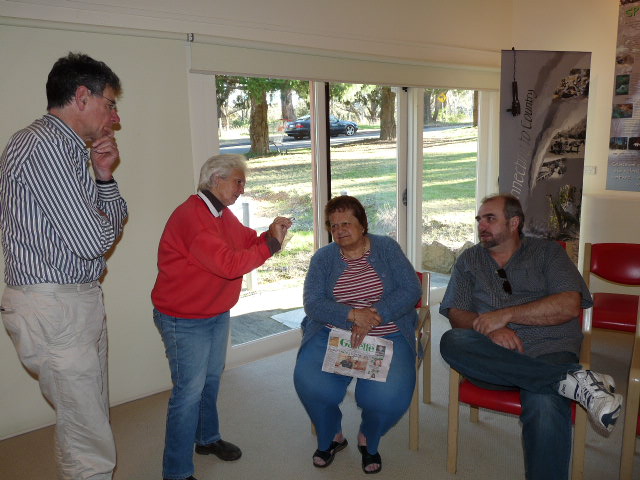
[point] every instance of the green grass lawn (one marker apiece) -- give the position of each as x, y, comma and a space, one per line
281, 185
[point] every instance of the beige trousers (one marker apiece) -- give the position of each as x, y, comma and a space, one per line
60, 334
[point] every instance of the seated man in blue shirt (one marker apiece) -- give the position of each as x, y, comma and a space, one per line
514, 304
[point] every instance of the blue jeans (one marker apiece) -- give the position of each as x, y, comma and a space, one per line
196, 350
382, 403
546, 415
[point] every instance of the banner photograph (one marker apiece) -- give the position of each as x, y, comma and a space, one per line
543, 128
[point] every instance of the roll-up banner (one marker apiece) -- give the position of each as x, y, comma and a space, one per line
543, 129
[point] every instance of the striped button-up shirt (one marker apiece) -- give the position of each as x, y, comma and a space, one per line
56, 222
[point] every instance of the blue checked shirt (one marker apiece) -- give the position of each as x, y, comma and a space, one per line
56, 222
539, 268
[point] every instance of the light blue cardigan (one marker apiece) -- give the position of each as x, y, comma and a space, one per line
401, 289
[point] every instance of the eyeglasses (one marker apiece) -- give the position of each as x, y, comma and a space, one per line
112, 103
506, 286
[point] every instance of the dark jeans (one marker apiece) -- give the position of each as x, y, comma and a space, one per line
546, 415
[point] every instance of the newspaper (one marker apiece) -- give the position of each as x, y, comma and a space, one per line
371, 360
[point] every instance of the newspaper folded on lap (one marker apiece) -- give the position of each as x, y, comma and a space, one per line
371, 360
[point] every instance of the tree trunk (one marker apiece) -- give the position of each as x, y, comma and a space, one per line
223, 118
388, 114
475, 108
436, 110
286, 100
258, 126
224, 87
427, 107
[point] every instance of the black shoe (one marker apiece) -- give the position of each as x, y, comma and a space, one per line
223, 450
327, 456
368, 459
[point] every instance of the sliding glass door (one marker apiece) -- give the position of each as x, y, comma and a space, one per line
363, 155
281, 125
254, 117
450, 146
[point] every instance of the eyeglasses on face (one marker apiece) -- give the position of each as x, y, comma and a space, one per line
112, 103
506, 286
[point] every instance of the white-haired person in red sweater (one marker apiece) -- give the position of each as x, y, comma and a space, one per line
203, 254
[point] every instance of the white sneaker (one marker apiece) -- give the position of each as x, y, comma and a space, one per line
594, 391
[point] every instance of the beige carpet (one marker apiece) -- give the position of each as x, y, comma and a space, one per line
261, 412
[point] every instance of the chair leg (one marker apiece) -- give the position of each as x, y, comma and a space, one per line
579, 444
629, 433
454, 410
474, 414
414, 418
426, 374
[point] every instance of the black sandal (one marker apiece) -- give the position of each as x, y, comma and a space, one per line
368, 459
329, 455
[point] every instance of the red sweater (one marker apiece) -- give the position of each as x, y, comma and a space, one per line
201, 261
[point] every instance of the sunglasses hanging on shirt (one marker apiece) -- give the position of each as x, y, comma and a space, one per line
506, 286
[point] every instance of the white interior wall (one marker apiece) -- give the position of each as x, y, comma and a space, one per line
591, 26
155, 175
157, 167
445, 32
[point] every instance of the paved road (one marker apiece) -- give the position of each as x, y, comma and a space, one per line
242, 145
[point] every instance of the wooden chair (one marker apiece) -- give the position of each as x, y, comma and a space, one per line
462, 390
423, 339
618, 264
631, 418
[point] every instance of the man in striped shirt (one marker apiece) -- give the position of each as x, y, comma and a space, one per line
57, 223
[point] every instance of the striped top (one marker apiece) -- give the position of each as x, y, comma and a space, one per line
359, 286
56, 222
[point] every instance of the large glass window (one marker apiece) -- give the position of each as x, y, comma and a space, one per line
254, 116
269, 121
450, 142
363, 154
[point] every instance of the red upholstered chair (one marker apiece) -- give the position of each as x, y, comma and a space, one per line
463, 391
631, 418
423, 339
618, 264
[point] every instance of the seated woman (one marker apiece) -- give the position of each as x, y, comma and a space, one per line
362, 283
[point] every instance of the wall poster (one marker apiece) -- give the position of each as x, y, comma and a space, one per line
623, 165
542, 147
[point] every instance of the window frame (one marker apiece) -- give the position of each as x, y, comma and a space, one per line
203, 116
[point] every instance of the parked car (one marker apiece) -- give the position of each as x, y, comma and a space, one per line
301, 127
